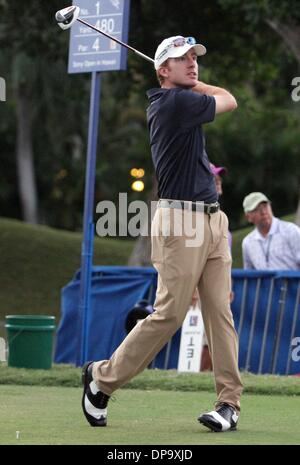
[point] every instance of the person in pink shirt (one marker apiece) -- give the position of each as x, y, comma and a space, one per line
218, 171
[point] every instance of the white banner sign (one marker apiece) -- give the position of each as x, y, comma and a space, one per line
191, 341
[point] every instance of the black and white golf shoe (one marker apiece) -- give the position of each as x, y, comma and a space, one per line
224, 418
94, 402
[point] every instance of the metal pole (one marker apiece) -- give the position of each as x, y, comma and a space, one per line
282, 300
293, 332
265, 334
88, 222
243, 306
167, 355
251, 337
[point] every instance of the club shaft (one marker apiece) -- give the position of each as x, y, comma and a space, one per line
116, 40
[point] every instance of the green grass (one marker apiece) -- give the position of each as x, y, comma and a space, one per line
159, 406
52, 415
37, 261
166, 380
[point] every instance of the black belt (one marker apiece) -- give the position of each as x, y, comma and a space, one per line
193, 206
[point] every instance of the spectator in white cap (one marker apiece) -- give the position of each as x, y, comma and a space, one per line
274, 244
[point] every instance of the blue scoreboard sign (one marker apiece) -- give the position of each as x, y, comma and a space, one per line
90, 51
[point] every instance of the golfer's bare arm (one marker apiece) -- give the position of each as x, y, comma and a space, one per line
224, 100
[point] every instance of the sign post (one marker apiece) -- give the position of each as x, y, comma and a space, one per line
91, 52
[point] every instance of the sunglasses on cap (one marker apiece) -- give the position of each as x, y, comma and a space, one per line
178, 42
181, 41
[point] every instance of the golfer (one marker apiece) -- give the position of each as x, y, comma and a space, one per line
177, 110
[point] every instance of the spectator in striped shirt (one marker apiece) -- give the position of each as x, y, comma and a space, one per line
274, 244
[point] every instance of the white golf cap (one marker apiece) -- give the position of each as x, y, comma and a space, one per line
252, 200
175, 47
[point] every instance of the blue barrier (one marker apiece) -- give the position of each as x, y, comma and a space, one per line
114, 292
266, 311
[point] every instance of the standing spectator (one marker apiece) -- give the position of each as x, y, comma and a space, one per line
218, 171
206, 362
274, 244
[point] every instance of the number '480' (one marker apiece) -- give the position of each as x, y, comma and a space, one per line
106, 25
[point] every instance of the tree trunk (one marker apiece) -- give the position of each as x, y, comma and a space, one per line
25, 163
141, 254
289, 32
297, 219
2, 90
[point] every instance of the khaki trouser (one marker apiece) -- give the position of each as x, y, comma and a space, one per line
180, 269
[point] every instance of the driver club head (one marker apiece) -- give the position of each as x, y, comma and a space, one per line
66, 18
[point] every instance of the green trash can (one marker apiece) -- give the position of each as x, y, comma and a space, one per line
30, 340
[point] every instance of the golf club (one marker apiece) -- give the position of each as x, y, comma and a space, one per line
67, 17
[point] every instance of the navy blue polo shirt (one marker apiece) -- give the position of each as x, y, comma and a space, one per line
175, 118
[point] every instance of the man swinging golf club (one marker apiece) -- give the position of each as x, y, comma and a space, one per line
176, 113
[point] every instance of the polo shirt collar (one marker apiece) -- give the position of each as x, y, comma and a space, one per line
274, 229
